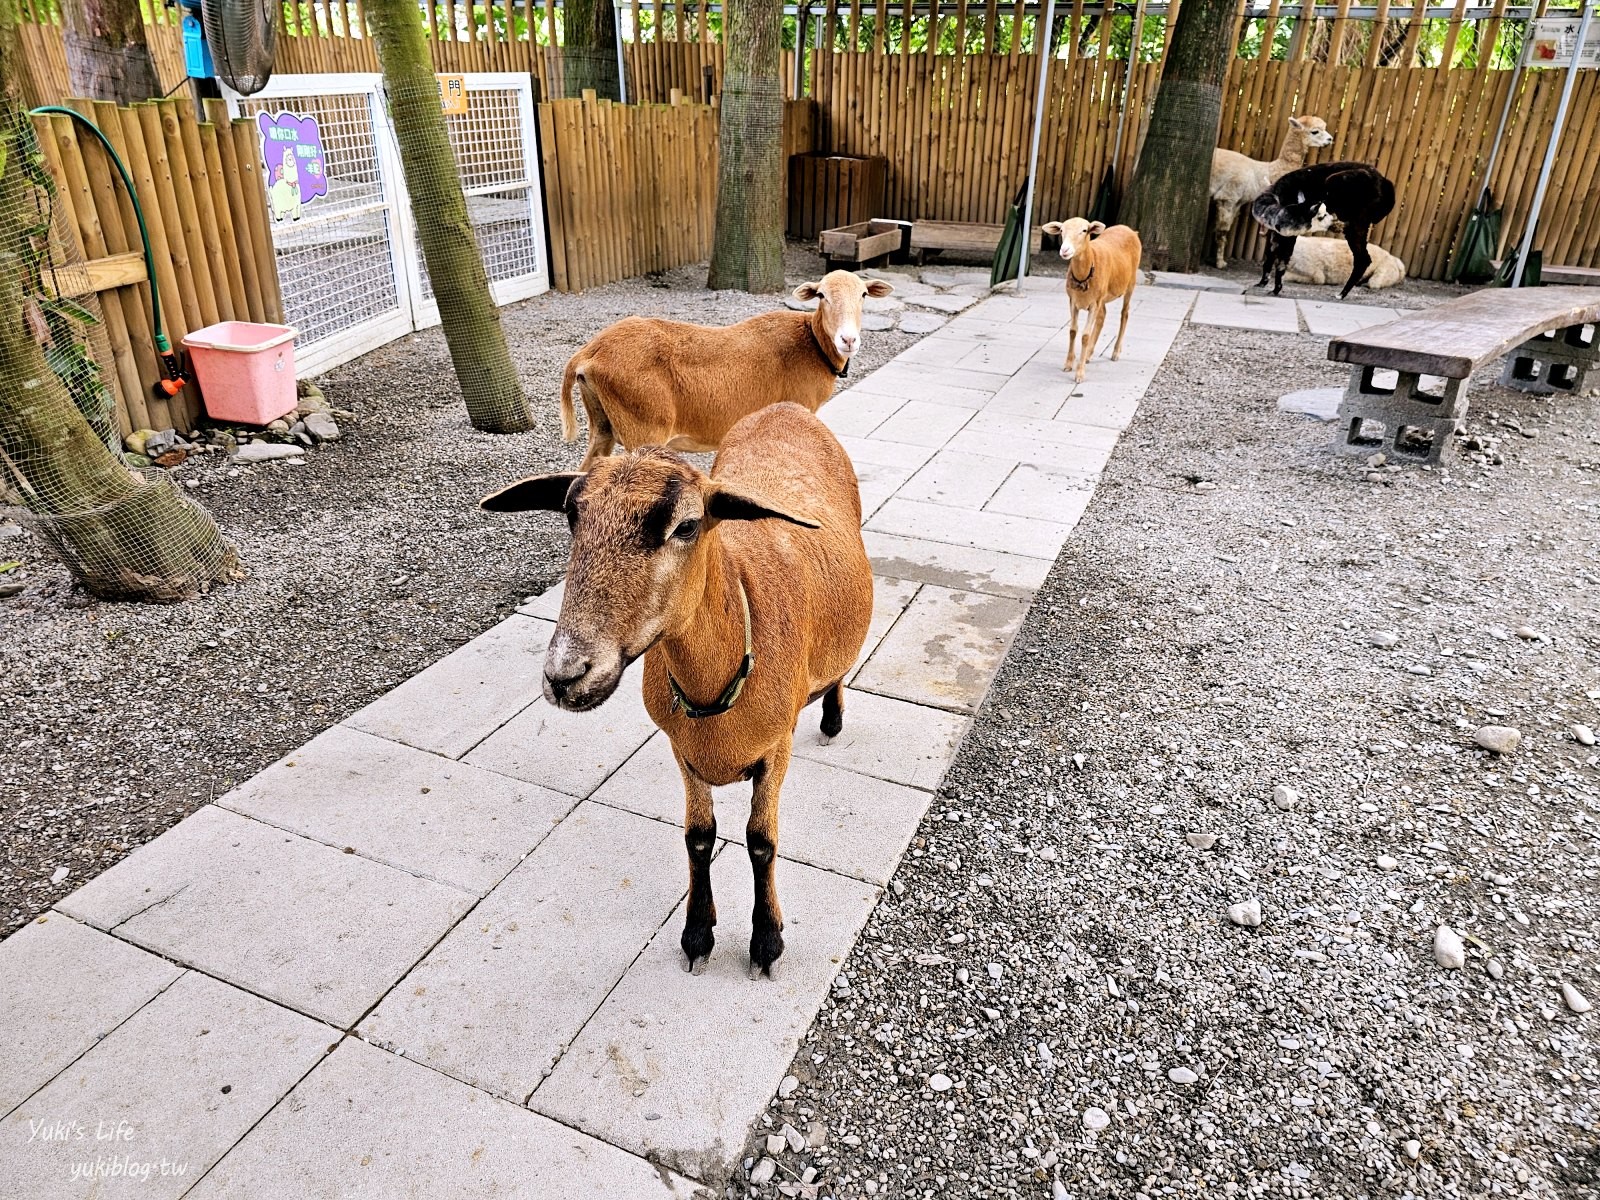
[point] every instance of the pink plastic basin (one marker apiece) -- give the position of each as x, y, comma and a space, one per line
246, 370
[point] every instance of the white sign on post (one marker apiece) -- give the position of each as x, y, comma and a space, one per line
1551, 41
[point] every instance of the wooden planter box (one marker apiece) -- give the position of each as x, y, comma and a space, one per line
971, 241
861, 244
829, 191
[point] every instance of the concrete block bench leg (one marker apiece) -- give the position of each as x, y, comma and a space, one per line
1375, 418
1566, 360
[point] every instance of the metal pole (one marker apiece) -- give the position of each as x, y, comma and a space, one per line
1550, 150
622, 70
799, 52
1043, 36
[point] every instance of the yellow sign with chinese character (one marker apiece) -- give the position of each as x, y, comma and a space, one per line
453, 94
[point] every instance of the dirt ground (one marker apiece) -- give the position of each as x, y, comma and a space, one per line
1053, 1001
366, 564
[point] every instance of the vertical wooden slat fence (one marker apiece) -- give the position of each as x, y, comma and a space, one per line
200, 188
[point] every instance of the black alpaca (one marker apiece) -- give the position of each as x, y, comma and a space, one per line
1352, 192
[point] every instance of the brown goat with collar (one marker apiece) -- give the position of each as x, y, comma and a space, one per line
748, 592
1102, 265
651, 382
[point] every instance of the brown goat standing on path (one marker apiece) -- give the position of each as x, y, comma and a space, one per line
748, 592
1102, 265
646, 381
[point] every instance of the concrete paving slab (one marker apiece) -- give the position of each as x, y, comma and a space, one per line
1321, 403
1270, 313
1335, 319
831, 818
955, 566
1034, 392
863, 451
998, 356
421, 812
366, 1124
63, 987
922, 322
922, 383
969, 527
889, 600
922, 424
961, 480
674, 1065
498, 1000
148, 1109
1084, 460
1194, 281
323, 932
1061, 431
857, 413
566, 751
878, 482
945, 649
547, 604
943, 349
925, 374
465, 696
1045, 316
1110, 405
1044, 495
888, 739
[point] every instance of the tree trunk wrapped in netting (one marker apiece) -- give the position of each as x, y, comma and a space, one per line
494, 397
748, 251
1170, 194
124, 534
589, 49
108, 53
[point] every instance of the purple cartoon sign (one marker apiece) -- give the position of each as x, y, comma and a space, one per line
291, 146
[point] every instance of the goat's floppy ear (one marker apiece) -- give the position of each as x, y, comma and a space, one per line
1096, 228
808, 291
1053, 228
877, 287
726, 504
541, 493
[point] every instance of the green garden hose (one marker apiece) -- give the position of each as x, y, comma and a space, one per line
173, 373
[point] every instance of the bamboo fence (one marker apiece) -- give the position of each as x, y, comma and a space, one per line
204, 201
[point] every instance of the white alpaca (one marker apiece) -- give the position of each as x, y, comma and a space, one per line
1328, 260
1237, 179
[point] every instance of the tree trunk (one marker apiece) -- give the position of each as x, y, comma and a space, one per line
124, 536
589, 49
495, 401
1168, 198
108, 55
748, 252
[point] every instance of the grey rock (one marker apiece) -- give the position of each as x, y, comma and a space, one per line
10, 586
1502, 739
1201, 841
1285, 797
1321, 403
1384, 639
764, 1170
10, 531
882, 304
1413, 1149
945, 302
1448, 950
278, 426
939, 1083
793, 1137
787, 1087
1096, 1118
1246, 913
1183, 1076
876, 322
322, 427
921, 322
1583, 735
254, 452
1574, 999
1495, 970
800, 305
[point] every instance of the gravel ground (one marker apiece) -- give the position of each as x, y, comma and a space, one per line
1053, 1001
366, 564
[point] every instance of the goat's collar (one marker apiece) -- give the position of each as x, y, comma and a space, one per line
838, 372
730, 694
1081, 284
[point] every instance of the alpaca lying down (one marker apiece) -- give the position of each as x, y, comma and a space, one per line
1329, 260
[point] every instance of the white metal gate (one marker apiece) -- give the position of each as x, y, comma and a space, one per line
349, 265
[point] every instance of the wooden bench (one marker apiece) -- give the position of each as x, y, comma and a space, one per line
978, 241
1551, 334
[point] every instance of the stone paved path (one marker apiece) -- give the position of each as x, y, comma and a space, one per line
434, 951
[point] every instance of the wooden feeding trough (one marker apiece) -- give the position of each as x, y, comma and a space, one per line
861, 244
959, 237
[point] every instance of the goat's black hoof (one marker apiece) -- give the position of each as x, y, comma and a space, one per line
696, 943
766, 947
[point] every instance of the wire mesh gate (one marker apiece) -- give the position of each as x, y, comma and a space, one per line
348, 261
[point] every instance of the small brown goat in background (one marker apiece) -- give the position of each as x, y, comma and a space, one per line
1102, 265
646, 381
748, 592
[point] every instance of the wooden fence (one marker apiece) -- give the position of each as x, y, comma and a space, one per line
632, 189
204, 202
